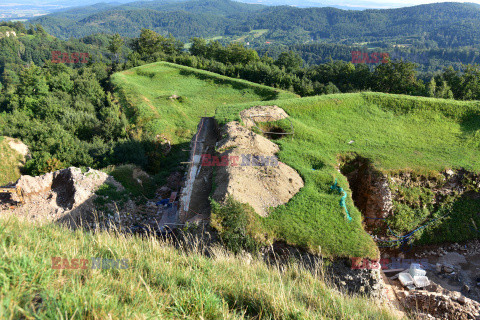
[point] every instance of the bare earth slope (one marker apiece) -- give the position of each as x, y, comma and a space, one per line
261, 186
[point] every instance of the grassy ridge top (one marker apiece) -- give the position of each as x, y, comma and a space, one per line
9, 163
161, 283
146, 92
395, 132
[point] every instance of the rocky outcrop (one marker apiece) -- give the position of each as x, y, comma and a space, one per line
66, 188
60, 194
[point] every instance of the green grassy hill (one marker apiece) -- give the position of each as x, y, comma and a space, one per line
420, 135
160, 283
396, 133
146, 93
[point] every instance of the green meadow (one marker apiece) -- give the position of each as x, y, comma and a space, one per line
146, 93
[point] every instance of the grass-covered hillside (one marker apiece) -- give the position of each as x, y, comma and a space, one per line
160, 282
169, 99
397, 133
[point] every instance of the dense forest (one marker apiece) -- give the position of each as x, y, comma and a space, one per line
66, 112
428, 35
444, 25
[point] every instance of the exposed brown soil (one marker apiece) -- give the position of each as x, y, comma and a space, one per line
261, 186
370, 190
262, 114
18, 146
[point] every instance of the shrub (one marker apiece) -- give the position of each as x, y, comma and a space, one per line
237, 224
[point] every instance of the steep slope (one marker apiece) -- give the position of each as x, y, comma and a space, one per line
150, 278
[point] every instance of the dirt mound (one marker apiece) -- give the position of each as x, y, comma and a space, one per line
57, 194
253, 174
262, 114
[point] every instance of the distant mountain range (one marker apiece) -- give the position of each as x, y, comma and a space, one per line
441, 24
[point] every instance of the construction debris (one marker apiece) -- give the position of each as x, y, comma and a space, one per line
437, 305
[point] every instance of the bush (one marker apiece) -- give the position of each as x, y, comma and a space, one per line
237, 224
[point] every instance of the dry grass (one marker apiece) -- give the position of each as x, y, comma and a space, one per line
162, 282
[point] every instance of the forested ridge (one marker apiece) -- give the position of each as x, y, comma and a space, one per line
442, 24
433, 36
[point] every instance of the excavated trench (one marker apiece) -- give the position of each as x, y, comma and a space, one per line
374, 194
275, 133
370, 190
194, 199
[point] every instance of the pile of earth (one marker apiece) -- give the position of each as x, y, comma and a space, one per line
262, 114
439, 303
253, 174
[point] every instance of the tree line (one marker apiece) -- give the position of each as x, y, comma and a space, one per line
289, 71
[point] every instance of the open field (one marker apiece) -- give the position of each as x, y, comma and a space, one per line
396, 133
162, 283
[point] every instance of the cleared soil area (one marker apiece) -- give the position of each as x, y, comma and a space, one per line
254, 174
